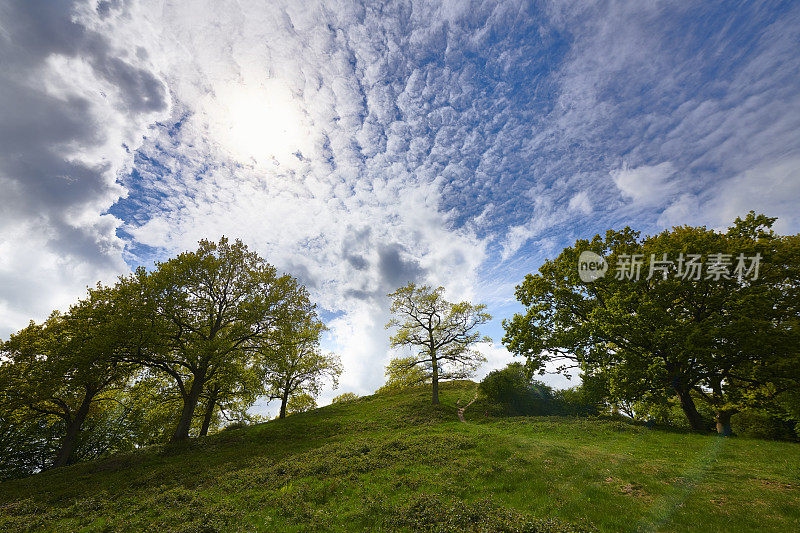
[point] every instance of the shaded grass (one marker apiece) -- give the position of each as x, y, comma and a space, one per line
394, 462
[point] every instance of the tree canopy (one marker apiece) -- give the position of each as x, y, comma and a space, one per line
728, 336
444, 333
208, 312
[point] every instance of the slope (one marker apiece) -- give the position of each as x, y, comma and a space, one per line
394, 462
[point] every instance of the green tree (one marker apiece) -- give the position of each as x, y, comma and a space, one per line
201, 318
300, 403
66, 366
730, 341
295, 363
402, 373
442, 331
345, 397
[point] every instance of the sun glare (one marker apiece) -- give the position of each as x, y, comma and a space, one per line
264, 124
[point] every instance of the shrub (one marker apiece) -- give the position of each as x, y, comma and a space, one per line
513, 388
345, 397
518, 394
763, 425
575, 401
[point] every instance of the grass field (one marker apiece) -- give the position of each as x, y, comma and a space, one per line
393, 462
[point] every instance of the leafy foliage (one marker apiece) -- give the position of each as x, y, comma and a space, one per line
732, 342
202, 319
402, 373
345, 397
443, 332
514, 388
297, 368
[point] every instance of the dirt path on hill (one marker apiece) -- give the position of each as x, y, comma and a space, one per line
461, 409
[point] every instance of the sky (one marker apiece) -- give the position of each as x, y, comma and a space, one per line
362, 145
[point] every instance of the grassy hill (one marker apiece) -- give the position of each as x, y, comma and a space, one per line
393, 462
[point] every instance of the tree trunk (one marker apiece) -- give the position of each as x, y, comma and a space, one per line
723, 419
284, 401
435, 380
189, 406
689, 409
212, 402
73, 429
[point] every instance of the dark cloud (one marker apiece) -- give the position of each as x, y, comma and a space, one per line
394, 269
37, 128
58, 147
355, 246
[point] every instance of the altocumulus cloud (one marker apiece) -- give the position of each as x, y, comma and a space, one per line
362, 146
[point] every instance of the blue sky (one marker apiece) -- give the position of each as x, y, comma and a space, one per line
359, 147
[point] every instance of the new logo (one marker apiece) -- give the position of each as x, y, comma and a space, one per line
591, 266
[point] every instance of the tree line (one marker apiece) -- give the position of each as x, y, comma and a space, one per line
174, 352
160, 355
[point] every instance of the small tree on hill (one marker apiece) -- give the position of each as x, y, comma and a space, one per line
442, 331
296, 365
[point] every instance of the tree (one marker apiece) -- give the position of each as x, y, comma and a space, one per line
66, 366
513, 387
296, 365
729, 341
402, 373
201, 317
300, 403
345, 397
443, 332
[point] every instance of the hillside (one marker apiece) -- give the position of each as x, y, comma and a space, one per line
393, 462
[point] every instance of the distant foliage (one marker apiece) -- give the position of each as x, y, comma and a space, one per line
345, 397
403, 373
760, 424
513, 388
518, 393
300, 403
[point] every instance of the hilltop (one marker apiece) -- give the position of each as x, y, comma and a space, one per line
394, 462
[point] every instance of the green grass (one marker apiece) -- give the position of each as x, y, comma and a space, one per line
394, 462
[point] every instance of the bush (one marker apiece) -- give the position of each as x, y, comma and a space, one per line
576, 402
345, 397
519, 394
762, 425
513, 388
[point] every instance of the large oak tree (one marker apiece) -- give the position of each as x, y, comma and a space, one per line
203, 316
729, 339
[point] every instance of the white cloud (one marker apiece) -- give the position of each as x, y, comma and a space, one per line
646, 185
772, 188
581, 203
432, 143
